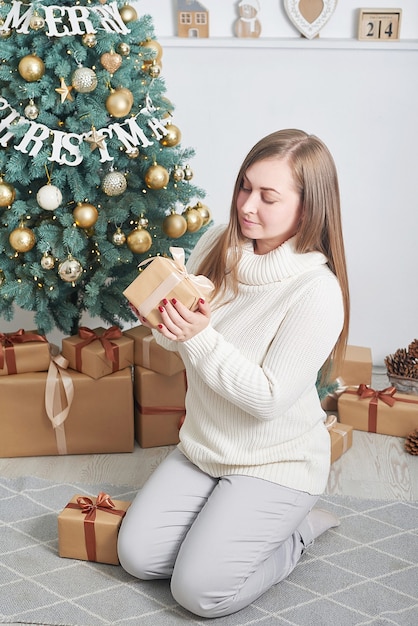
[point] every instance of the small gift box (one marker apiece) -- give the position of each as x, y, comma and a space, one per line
98, 352
88, 528
341, 437
387, 412
23, 351
149, 354
159, 407
356, 367
66, 412
166, 278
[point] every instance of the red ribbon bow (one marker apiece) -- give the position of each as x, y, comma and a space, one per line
111, 350
89, 509
385, 395
7, 343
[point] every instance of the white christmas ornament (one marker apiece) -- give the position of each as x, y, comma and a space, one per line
49, 197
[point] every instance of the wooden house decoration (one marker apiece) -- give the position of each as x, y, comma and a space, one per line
192, 19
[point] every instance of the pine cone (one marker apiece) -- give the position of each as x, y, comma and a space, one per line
413, 349
411, 442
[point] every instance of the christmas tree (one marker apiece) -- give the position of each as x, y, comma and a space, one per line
93, 177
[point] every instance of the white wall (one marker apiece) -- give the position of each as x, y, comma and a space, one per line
362, 102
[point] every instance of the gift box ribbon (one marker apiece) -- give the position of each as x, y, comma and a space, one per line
56, 412
110, 348
332, 425
385, 395
202, 283
89, 509
7, 344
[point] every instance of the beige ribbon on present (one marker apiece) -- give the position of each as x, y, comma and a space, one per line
53, 404
331, 423
202, 283
146, 352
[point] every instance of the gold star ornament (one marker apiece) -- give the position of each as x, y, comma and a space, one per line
64, 91
95, 140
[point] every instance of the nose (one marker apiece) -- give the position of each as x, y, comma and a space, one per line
250, 204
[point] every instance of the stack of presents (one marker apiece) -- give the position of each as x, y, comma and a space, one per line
108, 387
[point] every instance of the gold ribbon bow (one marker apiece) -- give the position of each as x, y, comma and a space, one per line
385, 395
88, 336
7, 343
89, 509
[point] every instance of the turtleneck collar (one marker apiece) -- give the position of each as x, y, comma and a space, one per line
277, 265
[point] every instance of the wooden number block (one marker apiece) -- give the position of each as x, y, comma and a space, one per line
379, 24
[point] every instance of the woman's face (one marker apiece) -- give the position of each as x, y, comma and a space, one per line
268, 204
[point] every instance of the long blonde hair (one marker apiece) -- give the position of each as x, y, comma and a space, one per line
315, 177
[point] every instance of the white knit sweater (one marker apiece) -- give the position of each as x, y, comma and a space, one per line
252, 407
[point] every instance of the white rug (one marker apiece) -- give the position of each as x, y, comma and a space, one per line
363, 572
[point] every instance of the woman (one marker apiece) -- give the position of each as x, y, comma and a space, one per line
230, 511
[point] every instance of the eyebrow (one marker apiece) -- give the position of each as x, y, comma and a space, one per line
262, 188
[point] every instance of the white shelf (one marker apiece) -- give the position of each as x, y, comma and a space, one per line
297, 43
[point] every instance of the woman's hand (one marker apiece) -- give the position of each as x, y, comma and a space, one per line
181, 324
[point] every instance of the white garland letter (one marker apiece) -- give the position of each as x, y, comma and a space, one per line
4, 124
37, 139
131, 140
64, 141
78, 16
13, 19
111, 19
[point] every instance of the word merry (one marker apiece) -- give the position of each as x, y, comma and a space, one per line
65, 146
64, 21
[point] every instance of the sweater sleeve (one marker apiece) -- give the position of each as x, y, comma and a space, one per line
303, 341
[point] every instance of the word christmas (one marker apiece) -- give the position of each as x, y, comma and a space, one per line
65, 146
64, 21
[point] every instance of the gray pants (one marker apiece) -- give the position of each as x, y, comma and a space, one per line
223, 541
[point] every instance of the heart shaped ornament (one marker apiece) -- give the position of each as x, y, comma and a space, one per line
111, 61
309, 16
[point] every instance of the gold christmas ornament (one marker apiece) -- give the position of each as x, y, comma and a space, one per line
31, 110
47, 261
119, 237
89, 40
154, 69
143, 221
155, 47
119, 102
188, 173
174, 225
114, 184
111, 61
133, 153
84, 80
178, 173
49, 197
36, 22
204, 212
193, 218
64, 91
139, 240
70, 270
85, 215
124, 49
7, 193
2, 277
172, 138
31, 68
156, 177
128, 13
5, 33
22, 239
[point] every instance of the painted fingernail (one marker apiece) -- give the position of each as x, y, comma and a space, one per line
174, 301
160, 326
165, 301
161, 309
201, 301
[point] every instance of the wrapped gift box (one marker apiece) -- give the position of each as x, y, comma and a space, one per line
387, 412
166, 278
98, 352
159, 406
88, 528
100, 419
149, 354
23, 351
356, 367
341, 440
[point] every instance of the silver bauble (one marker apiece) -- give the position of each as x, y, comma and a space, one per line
70, 270
31, 110
84, 80
47, 261
118, 237
114, 184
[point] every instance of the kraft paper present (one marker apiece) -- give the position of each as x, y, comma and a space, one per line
341, 437
149, 354
159, 407
100, 418
356, 367
385, 411
23, 351
98, 352
166, 278
88, 528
